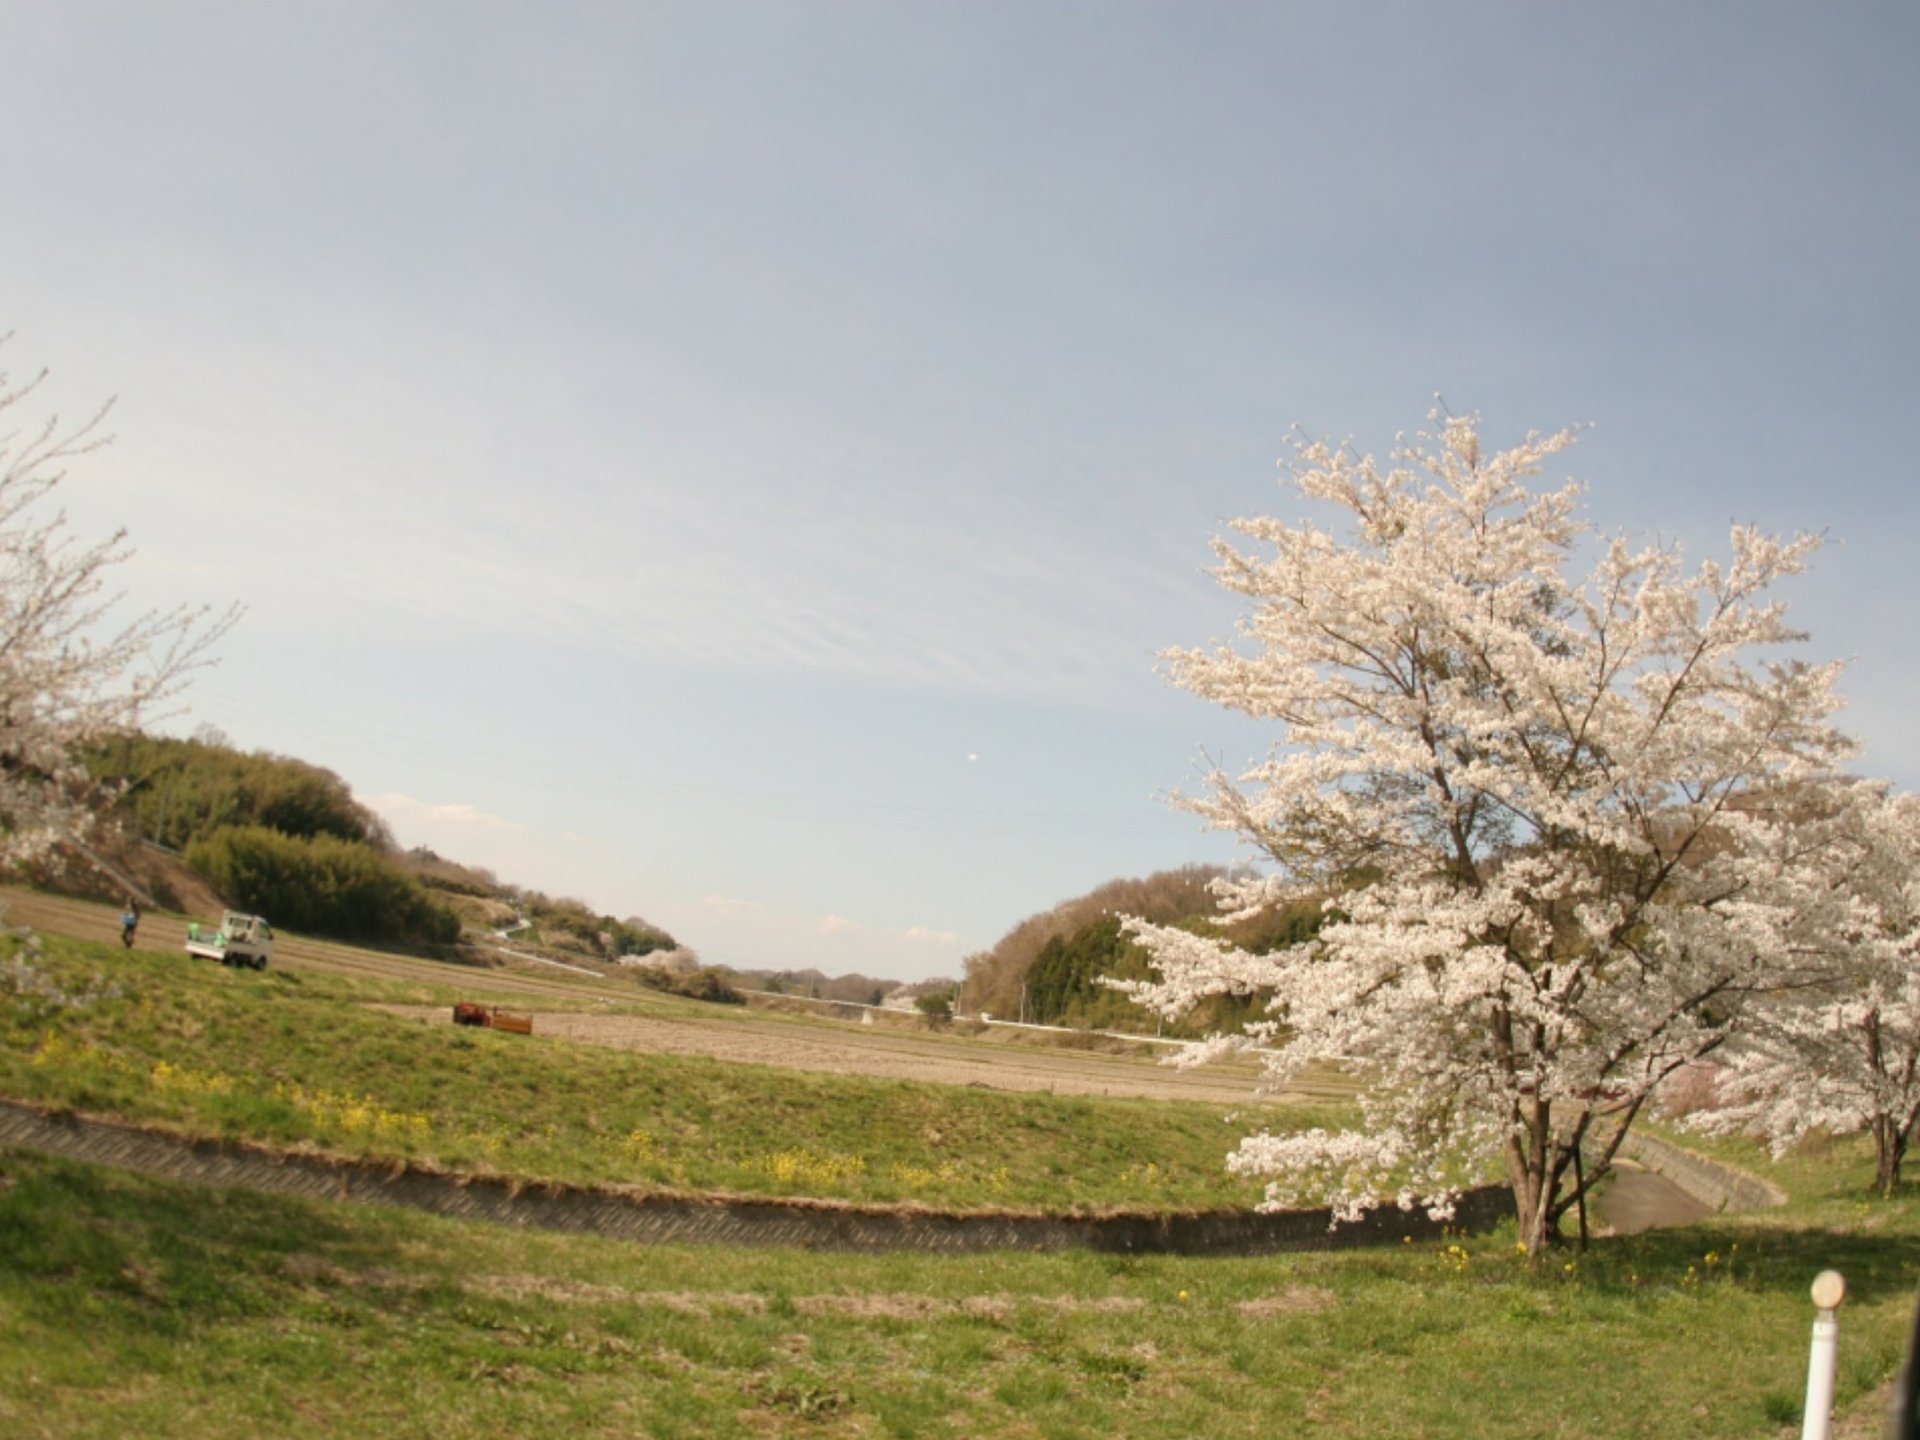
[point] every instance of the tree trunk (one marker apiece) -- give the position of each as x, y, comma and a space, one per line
1531, 1177
1890, 1143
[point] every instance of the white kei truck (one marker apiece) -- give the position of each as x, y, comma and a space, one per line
240, 940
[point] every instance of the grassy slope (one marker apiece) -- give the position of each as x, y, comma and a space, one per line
289, 1058
132, 1306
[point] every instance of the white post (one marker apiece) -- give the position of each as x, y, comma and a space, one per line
1829, 1289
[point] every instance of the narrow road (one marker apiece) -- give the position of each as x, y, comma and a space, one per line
1635, 1199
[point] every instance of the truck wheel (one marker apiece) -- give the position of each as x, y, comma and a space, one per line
259, 962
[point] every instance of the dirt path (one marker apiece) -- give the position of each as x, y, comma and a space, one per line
850, 1050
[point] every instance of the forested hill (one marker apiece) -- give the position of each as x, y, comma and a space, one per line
179, 791
1051, 966
280, 837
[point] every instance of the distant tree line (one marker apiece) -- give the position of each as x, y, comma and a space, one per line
565, 923
440, 873
853, 989
995, 978
701, 983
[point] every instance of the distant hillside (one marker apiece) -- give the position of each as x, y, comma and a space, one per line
285, 838
1050, 967
268, 834
178, 791
530, 917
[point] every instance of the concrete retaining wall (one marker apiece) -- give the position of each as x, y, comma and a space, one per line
705, 1220
1721, 1187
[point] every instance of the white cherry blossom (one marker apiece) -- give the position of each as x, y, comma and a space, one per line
1554, 816
71, 666
1843, 1055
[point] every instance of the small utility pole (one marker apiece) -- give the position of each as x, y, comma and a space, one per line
1829, 1289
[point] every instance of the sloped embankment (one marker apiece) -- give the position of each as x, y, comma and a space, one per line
716, 1220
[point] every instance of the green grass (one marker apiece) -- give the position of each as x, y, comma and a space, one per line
132, 1306
300, 1059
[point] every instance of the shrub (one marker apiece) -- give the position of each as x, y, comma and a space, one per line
706, 984
936, 1005
325, 885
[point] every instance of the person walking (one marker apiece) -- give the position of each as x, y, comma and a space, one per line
129, 922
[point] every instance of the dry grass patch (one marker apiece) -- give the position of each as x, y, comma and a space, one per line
1298, 1300
316, 1269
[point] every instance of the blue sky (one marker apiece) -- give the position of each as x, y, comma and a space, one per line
737, 462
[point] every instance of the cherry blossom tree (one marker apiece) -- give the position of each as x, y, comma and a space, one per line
1548, 811
1843, 1056
72, 667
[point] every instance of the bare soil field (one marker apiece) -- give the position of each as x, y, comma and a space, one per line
586, 1010
837, 1048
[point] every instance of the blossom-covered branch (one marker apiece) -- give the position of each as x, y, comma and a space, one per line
71, 667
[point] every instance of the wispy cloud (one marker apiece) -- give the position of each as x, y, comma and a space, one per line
793, 551
406, 813
921, 935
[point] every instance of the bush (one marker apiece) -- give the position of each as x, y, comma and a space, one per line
324, 885
706, 984
936, 1005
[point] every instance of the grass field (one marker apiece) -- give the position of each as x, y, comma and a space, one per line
128, 1306
305, 1059
134, 1306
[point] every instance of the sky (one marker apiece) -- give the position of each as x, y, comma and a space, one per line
737, 463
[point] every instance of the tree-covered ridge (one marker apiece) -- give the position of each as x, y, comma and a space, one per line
995, 977
566, 918
272, 835
1054, 968
1069, 982
285, 838
178, 791
486, 902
